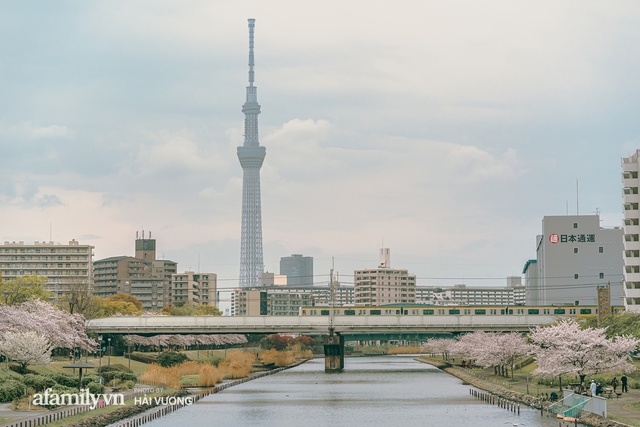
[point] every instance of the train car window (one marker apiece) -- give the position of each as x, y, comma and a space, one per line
324, 312
585, 311
559, 311
427, 312
454, 311
534, 311
481, 311
375, 312
349, 312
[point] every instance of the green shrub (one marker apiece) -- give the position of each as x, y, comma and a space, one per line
125, 376
38, 382
144, 357
65, 380
10, 390
114, 368
95, 388
130, 384
214, 360
108, 376
86, 379
171, 358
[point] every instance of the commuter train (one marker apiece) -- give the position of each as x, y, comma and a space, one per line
575, 311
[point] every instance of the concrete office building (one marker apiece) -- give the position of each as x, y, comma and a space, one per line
115, 275
630, 183
298, 269
383, 285
65, 265
575, 255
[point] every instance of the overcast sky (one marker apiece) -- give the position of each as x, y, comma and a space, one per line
448, 129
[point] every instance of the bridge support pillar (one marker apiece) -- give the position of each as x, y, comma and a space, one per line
333, 353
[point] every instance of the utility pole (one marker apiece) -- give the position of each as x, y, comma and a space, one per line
332, 294
333, 343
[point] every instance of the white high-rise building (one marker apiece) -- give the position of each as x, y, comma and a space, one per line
630, 184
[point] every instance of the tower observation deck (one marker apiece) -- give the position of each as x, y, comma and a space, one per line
251, 155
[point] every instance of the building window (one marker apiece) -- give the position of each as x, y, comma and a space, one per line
575, 250
601, 275
575, 225
600, 250
575, 276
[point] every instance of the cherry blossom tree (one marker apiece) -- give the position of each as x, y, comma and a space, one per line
185, 340
26, 348
565, 349
498, 351
439, 346
62, 329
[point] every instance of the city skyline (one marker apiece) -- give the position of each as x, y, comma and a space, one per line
447, 131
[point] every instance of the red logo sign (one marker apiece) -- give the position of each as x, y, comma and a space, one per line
554, 238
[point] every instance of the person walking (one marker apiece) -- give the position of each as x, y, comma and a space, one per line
623, 381
614, 384
592, 388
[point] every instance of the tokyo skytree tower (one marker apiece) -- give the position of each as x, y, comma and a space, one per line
251, 156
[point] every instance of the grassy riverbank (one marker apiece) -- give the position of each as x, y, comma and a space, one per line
625, 409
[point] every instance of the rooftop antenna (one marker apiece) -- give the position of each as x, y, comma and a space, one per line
251, 63
577, 199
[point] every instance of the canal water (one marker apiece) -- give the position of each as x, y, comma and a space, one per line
372, 391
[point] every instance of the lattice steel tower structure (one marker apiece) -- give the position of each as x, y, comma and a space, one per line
251, 156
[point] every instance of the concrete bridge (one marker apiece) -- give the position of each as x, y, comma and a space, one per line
343, 326
314, 325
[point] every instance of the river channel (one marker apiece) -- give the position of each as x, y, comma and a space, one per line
391, 391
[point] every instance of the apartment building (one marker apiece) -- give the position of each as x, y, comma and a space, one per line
631, 226
194, 288
117, 274
64, 265
384, 285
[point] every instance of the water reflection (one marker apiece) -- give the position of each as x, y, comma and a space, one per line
372, 391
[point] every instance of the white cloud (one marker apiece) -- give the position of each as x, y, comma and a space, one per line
176, 152
31, 131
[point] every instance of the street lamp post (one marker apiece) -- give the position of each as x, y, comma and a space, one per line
100, 360
109, 351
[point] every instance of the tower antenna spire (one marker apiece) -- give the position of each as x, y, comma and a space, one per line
251, 155
252, 24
